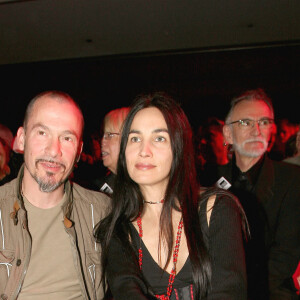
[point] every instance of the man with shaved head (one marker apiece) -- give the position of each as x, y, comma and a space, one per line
47, 249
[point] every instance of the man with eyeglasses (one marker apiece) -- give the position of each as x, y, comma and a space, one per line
110, 146
269, 192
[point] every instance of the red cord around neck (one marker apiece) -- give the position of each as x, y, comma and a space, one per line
175, 256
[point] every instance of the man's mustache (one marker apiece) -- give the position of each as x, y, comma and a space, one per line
50, 161
255, 140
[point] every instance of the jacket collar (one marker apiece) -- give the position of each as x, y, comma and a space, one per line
265, 182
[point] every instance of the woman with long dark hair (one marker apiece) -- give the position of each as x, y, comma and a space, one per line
162, 239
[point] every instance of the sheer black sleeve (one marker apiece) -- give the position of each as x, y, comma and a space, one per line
224, 239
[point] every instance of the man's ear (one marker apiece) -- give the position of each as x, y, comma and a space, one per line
227, 133
20, 139
80, 147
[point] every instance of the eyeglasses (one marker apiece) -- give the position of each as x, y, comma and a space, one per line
109, 135
248, 123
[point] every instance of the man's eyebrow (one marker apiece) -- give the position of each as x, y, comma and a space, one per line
40, 125
69, 132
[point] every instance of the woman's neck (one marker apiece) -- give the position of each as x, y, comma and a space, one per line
153, 209
153, 194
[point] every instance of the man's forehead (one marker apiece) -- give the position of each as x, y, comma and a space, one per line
55, 108
54, 101
257, 107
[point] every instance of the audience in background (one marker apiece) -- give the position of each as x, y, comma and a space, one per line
211, 150
293, 143
96, 146
17, 158
271, 149
6, 139
110, 146
285, 131
90, 169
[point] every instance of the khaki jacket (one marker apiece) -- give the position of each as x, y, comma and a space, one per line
82, 211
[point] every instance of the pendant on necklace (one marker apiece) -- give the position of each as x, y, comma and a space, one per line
155, 202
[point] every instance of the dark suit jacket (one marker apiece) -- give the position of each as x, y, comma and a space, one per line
277, 191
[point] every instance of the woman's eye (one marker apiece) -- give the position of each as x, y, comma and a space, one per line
135, 139
41, 132
160, 139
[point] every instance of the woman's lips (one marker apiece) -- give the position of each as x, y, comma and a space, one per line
141, 166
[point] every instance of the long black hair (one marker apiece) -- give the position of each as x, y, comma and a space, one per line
127, 200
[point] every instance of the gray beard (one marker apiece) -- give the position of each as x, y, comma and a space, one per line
242, 151
46, 183
47, 186
249, 153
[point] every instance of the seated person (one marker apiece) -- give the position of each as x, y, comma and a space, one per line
110, 147
156, 242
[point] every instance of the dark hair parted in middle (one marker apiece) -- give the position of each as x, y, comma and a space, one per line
128, 200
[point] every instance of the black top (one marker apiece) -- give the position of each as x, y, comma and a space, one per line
224, 240
156, 277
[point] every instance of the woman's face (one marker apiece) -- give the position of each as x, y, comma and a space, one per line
148, 151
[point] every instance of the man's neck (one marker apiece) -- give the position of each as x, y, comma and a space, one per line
32, 192
245, 163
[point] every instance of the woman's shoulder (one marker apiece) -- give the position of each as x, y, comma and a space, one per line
220, 195
217, 203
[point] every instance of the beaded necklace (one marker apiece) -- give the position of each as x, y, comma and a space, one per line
175, 255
